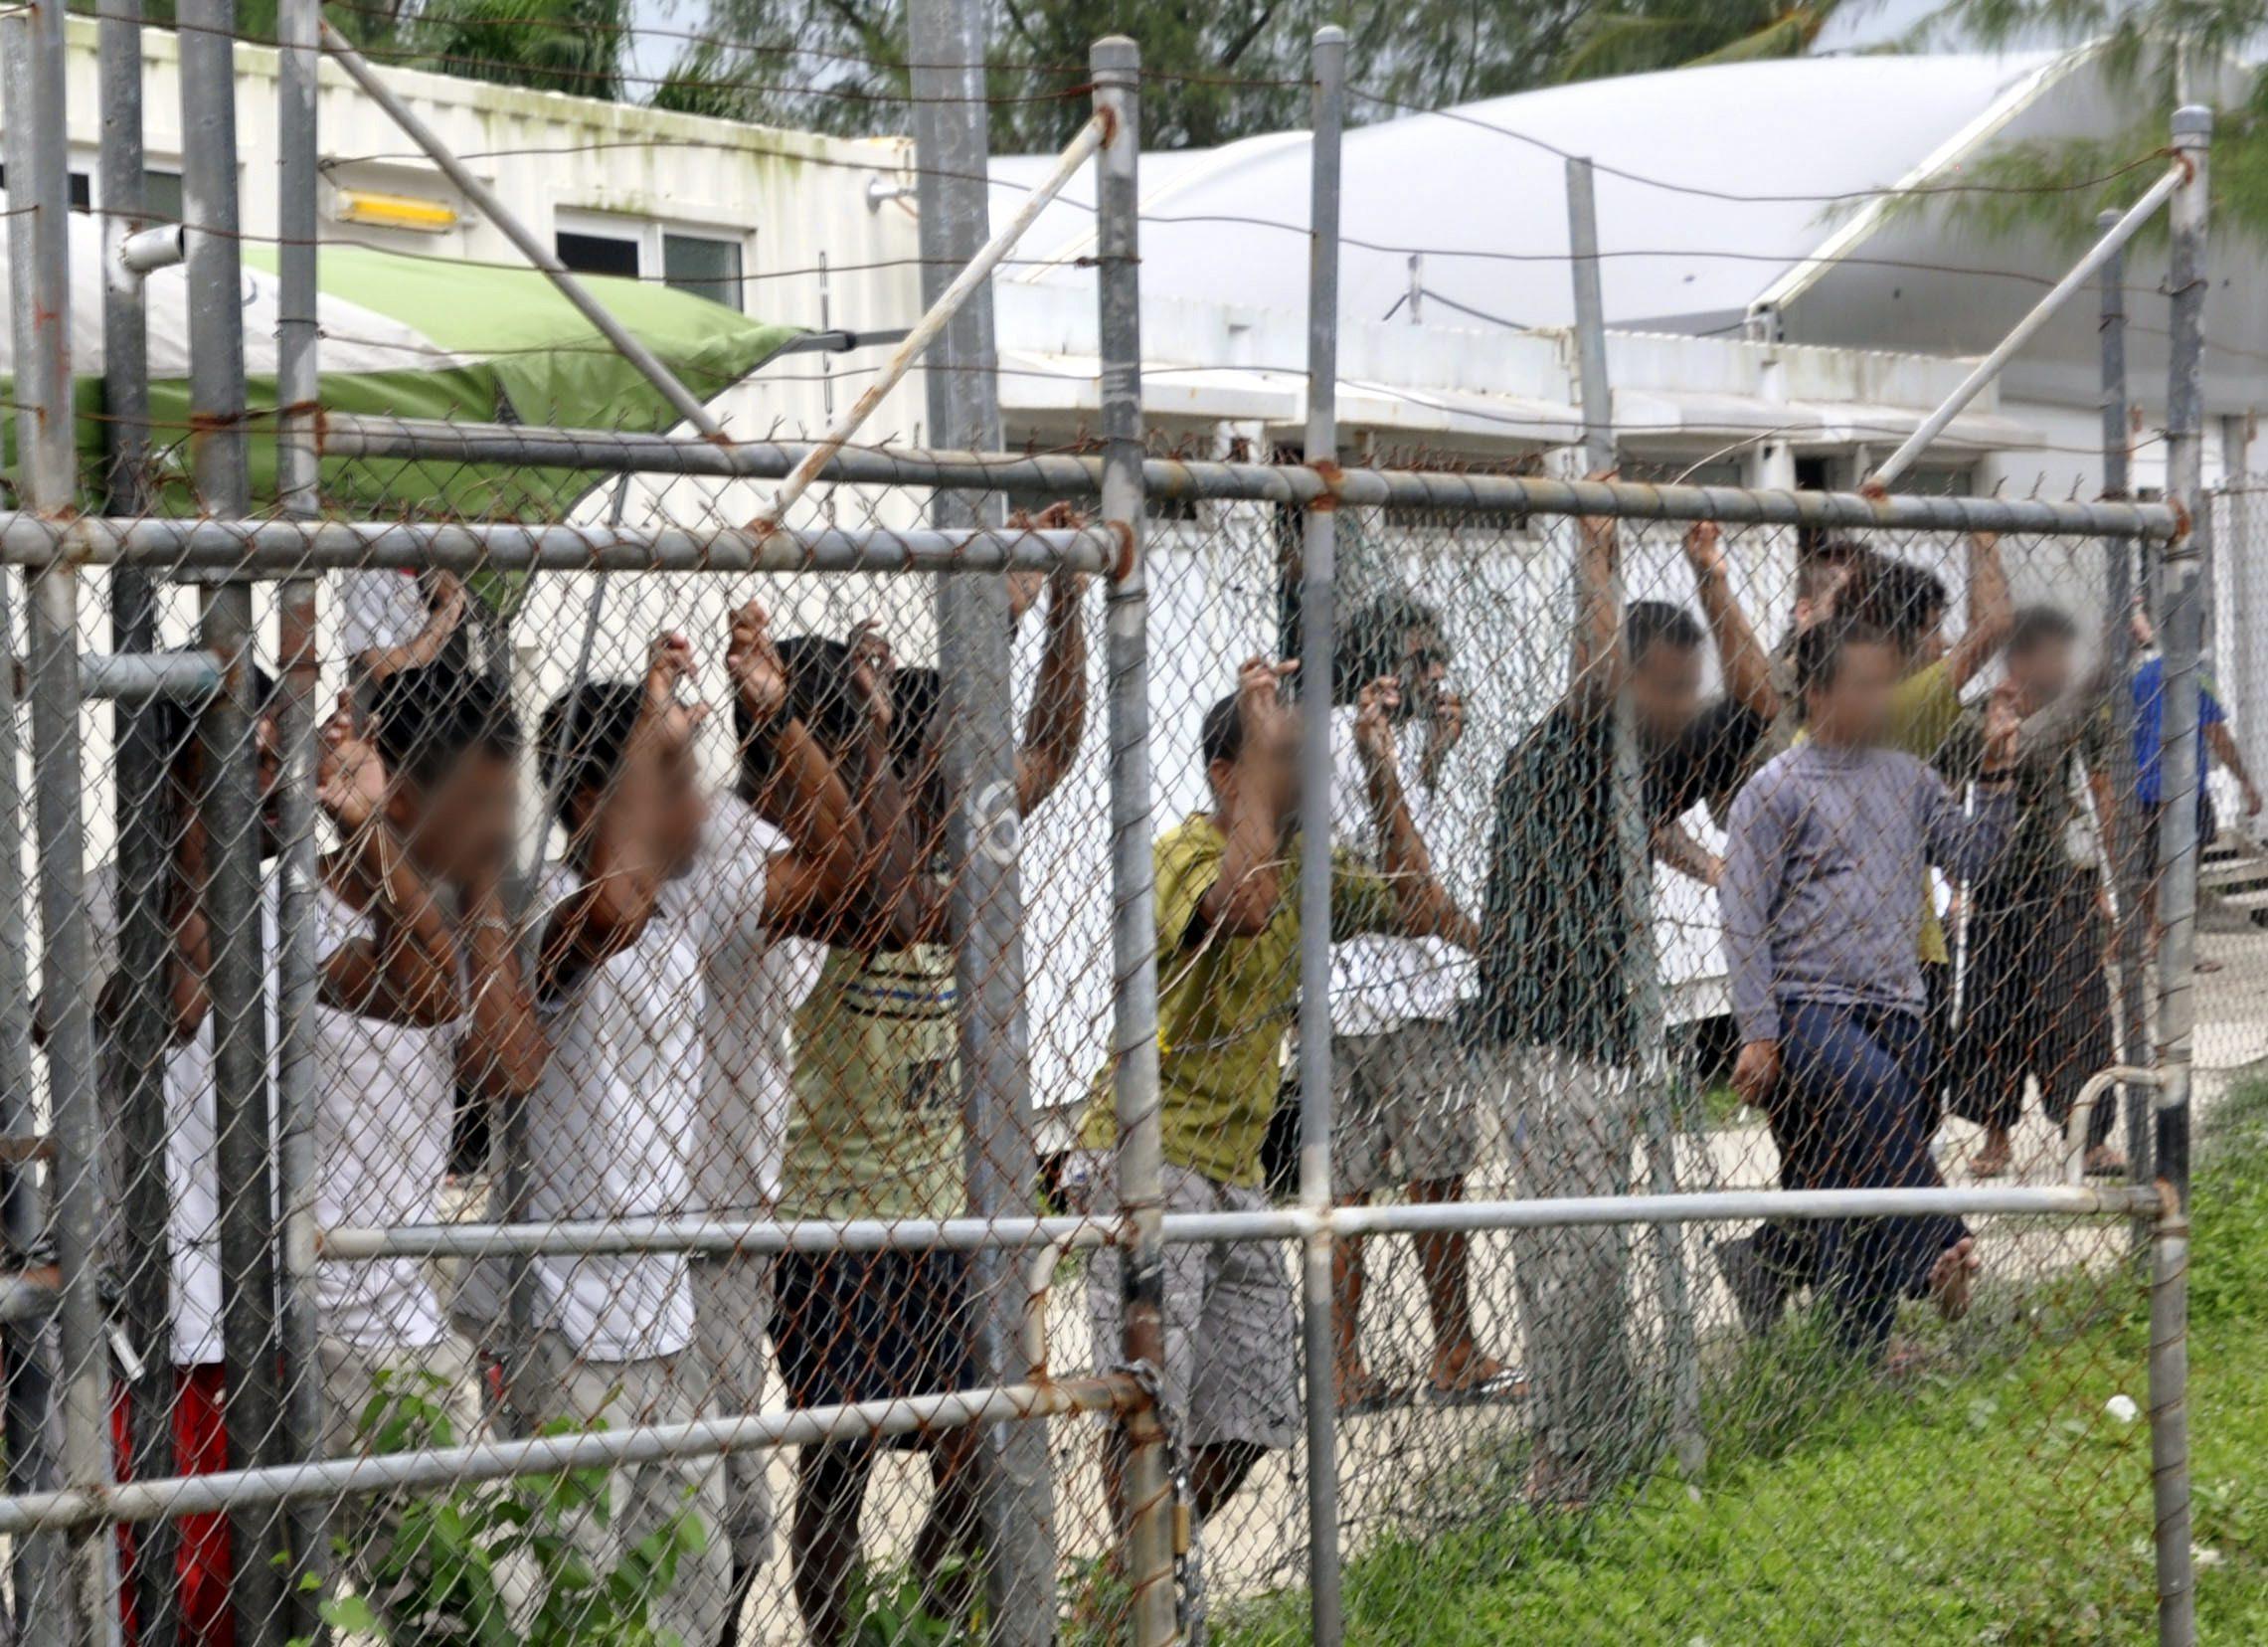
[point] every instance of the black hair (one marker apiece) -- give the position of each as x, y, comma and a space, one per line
1223, 735
916, 696
582, 738
2040, 626
175, 724
1374, 642
1647, 624
1817, 565
819, 695
426, 719
1820, 650
1900, 599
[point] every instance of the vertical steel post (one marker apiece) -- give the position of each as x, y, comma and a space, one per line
42, 1573
2180, 634
2123, 575
140, 1039
1643, 974
231, 806
946, 43
297, 367
2179, 775
2237, 667
1116, 68
48, 483
2170, 1424
1319, 635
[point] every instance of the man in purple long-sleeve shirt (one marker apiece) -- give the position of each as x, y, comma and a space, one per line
1826, 845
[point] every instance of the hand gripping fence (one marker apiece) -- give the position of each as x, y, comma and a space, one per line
1018, 1030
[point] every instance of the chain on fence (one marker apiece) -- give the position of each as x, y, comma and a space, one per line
604, 1042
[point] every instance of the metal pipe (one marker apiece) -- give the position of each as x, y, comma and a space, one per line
348, 435
1319, 639
139, 678
2181, 634
626, 343
978, 731
2169, 1427
146, 250
282, 547
298, 387
2082, 1114
590, 1237
238, 1489
1114, 66
1987, 369
231, 802
48, 483
2123, 577
975, 275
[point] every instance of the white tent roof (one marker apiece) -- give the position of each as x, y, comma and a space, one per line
1482, 190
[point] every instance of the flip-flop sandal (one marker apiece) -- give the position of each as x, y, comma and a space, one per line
2105, 1168
1981, 1170
1508, 1385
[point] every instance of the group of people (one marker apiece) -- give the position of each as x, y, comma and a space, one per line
742, 1003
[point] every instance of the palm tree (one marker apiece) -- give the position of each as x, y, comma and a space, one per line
1679, 34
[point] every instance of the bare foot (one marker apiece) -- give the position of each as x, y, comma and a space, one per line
2106, 1161
1464, 1371
1994, 1159
1553, 1487
1953, 1278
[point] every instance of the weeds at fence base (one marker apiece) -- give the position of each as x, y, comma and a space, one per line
1993, 1497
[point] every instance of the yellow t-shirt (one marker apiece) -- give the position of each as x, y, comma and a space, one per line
1223, 1004
1925, 707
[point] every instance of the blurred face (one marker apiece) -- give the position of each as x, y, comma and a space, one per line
2041, 672
189, 782
1853, 709
1269, 761
1666, 691
463, 824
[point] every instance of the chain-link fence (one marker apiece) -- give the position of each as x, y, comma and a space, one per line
595, 1058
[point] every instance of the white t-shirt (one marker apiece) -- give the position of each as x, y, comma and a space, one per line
379, 609
616, 1125
754, 985
191, 1174
384, 1093
1379, 981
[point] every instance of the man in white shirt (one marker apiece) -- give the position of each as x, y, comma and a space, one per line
1403, 1091
644, 911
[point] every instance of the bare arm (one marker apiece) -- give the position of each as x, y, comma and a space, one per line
1424, 909
1597, 673
1057, 719
444, 613
1244, 895
1747, 667
405, 972
503, 1051
2223, 746
623, 872
1674, 846
1991, 611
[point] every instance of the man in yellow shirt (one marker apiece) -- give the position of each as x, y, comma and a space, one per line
1228, 970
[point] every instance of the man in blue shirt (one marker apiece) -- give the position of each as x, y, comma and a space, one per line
2215, 741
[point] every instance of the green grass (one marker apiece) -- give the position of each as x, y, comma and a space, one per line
1994, 1502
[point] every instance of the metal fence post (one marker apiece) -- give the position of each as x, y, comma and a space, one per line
297, 382
49, 481
230, 805
2123, 569
1116, 68
2181, 774
946, 43
2170, 1424
1643, 975
140, 1039
1319, 637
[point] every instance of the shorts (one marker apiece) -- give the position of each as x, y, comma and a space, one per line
1228, 1369
872, 1326
731, 1308
1402, 1108
201, 1561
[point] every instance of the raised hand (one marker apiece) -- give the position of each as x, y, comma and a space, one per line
668, 661
870, 669
350, 778
1064, 584
2002, 722
445, 602
1374, 710
1260, 705
753, 665
1705, 549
